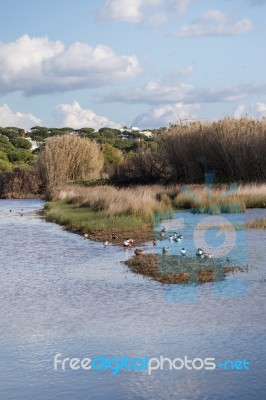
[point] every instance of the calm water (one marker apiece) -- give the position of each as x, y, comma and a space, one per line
63, 294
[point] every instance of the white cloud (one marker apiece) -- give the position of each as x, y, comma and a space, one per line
240, 111
163, 115
180, 6
38, 65
74, 116
254, 110
134, 10
261, 107
125, 10
18, 119
215, 23
156, 92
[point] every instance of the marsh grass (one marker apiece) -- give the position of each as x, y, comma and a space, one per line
221, 198
259, 223
156, 200
132, 211
84, 220
138, 201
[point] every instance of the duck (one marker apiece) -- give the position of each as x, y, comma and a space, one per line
139, 252
207, 255
114, 237
86, 235
105, 243
177, 239
183, 252
166, 250
163, 229
127, 242
154, 242
199, 252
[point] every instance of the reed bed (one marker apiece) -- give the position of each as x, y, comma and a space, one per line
234, 149
139, 201
105, 212
145, 201
221, 198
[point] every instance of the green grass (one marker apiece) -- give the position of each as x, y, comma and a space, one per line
85, 219
219, 209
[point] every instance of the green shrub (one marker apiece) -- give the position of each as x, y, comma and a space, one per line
20, 155
5, 165
21, 143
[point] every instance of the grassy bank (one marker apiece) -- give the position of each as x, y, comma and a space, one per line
99, 225
106, 211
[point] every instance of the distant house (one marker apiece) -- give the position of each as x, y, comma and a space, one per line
134, 129
34, 143
123, 137
148, 134
130, 133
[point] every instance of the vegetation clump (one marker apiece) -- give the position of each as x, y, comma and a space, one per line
180, 270
66, 158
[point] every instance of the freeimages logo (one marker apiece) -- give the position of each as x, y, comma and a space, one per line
204, 243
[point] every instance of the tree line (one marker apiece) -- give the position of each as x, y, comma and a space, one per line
234, 150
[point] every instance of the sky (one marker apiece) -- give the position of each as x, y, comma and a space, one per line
141, 63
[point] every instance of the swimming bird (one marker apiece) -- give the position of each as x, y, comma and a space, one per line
154, 242
86, 235
139, 252
163, 229
183, 252
105, 243
166, 250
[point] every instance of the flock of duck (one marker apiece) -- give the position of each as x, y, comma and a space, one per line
175, 237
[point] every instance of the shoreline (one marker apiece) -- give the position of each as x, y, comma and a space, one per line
148, 264
115, 234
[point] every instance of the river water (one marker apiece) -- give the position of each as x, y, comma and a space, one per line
63, 294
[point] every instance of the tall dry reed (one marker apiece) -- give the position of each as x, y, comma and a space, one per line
234, 149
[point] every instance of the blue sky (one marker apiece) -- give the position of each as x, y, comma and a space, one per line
145, 63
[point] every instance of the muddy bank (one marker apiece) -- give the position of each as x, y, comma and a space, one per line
169, 269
